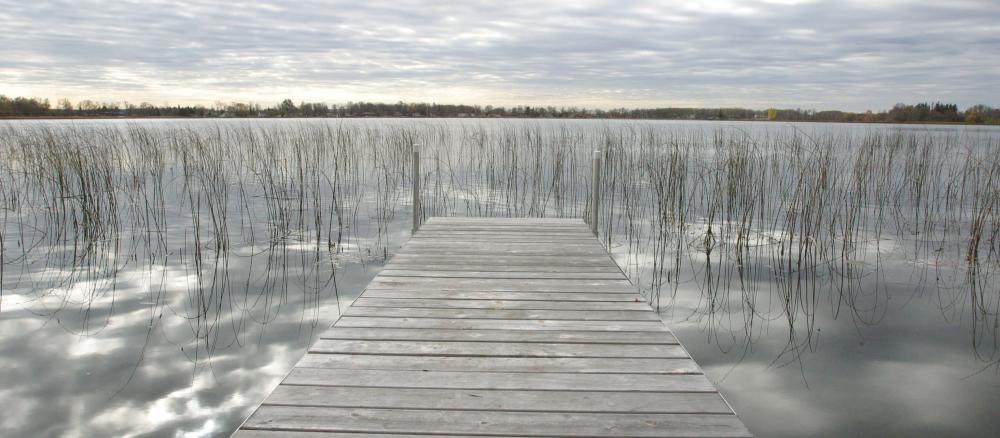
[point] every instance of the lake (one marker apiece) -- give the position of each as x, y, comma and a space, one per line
160, 277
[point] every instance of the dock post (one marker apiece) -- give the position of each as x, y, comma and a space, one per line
595, 192
416, 188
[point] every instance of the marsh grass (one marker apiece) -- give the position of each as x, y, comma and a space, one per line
772, 226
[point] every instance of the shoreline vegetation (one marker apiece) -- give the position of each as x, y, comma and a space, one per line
38, 108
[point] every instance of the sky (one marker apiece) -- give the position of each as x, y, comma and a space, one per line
844, 54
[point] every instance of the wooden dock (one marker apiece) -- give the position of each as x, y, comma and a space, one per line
502, 328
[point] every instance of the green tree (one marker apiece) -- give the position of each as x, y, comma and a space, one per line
287, 107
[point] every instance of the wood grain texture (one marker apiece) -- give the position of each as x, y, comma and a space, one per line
500, 328
509, 275
500, 400
503, 260
543, 336
496, 349
628, 296
534, 424
637, 306
614, 365
503, 314
513, 285
501, 324
423, 266
303, 376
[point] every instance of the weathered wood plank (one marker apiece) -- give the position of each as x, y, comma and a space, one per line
499, 233
484, 243
395, 272
413, 265
545, 228
503, 234
501, 324
500, 400
513, 284
551, 315
263, 433
525, 241
496, 349
478, 236
504, 295
496, 225
500, 260
544, 336
364, 301
530, 288
536, 285
489, 230
472, 228
463, 226
563, 247
503, 246
506, 220
502, 364
550, 381
511, 252
539, 424
527, 248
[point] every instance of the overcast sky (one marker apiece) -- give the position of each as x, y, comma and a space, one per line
852, 55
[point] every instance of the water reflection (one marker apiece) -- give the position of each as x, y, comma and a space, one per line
166, 347
162, 276
152, 286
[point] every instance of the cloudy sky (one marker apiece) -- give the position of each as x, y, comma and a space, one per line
843, 54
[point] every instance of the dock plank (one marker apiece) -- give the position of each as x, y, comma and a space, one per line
392, 271
628, 296
535, 424
425, 266
513, 285
551, 315
503, 260
496, 349
502, 304
501, 328
501, 324
500, 400
601, 365
691, 382
543, 336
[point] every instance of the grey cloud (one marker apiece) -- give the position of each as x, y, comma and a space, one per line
826, 54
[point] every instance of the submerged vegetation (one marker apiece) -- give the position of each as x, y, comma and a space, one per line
773, 227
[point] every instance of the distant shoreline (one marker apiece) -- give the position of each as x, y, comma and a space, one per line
24, 108
876, 122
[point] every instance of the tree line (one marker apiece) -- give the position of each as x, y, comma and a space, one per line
937, 112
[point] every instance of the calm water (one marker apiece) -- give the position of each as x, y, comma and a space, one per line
160, 277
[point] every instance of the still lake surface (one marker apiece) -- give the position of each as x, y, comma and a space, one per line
160, 277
